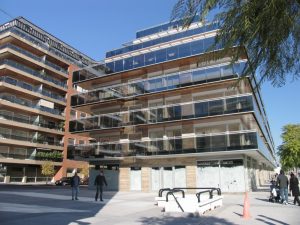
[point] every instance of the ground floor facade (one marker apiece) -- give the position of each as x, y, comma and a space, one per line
231, 173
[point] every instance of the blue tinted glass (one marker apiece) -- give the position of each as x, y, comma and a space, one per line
147, 44
138, 61
213, 73
172, 53
208, 43
201, 109
149, 58
160, 55
184, 50
128, 63
119, 65
111, 66
173, 81
197, 47
199, 76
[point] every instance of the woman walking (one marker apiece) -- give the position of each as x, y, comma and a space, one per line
294, 187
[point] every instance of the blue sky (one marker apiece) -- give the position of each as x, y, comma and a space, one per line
97, 26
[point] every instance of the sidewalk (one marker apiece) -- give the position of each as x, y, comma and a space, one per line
30, 205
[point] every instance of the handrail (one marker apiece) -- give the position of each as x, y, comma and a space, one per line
172, 193
201, 192
162, 190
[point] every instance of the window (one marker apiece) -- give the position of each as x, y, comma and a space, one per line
71, 141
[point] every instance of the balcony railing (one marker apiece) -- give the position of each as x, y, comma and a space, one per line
30, 139
26, 86
218, 142
191, 110
33, 72
158, 84
30, 105
22, 156
30, 121
35, 57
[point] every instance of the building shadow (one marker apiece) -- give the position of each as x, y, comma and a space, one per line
27, 205
188, 220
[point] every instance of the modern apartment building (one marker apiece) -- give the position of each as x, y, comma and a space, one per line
164, 111
35, 82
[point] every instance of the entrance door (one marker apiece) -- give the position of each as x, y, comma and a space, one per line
135, 179
179, 176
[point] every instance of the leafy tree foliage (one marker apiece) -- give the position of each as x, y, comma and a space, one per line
289, 151
268, 29
48, 169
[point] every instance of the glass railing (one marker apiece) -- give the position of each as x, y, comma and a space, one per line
230, 141
35, 57
161, 83
189, 49
30, 104
12, 117
26, 86
172, 37
30, 139
192, 110
33, 72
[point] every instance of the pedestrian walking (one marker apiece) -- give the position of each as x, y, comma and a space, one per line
294, 187
75, 181
283, 182
99, 182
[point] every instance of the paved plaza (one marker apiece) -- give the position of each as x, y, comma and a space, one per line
50, 205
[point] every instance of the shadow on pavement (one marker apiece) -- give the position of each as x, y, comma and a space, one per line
199, 220
30, 206
272, 220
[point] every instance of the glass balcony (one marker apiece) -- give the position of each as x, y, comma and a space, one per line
217, 142
30, 104
35, 57
33, 72
30, 139
161, 83
178, 35
196, 109
44, 46
11, 117
29, 87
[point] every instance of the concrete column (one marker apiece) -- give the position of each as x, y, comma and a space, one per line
146, 181
191, 176
124, 179
7, 179
24, 179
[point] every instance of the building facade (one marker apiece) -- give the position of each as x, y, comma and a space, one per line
165, 111
35, 82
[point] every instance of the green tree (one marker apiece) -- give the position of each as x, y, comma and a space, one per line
268, 29
48, 169
289, 151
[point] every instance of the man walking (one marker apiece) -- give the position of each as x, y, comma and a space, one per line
283, 182
99, 182
75, 181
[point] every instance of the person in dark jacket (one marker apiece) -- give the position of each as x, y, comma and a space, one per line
294, 187
283, 182
75, 181
99, 182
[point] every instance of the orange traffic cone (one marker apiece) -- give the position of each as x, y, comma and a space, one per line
246, 213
